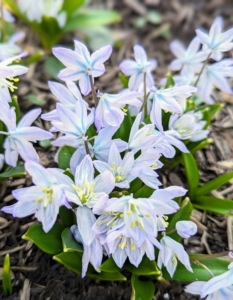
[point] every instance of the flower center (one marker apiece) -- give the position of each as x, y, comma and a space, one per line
88, 69
47, 197
117, 172
86, 193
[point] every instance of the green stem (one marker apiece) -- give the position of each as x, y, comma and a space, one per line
93, 91
86, 146
202, 69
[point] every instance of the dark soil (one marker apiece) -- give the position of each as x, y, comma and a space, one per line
51, 281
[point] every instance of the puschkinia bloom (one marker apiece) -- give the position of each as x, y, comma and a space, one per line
186, 228
80, 65
137, 69
171, 251
10, 48
188, 126
190, 59
218, 288
7, 16
111, 108
43, 199
217, 41
167, 100
7, 74
20, 136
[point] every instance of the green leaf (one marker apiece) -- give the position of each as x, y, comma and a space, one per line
14, 103
14, 172
142, 289
192, 173
213, 108
135, 185
183, 214
34, 58
92, 18
124, 80
213, 184
71, 6
217, 205
216, 265
109, 266
190, 105
73, 261
146, 267
123, 131
50, 242
144, 192
206, 117
67, 216
6, 276
154, 17
64, 156
35, 100
69, 243
53, 66
170, 81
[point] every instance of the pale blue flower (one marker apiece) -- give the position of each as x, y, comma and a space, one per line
189, 59
137, 69
87, 190
31, 8
188, 126
214, 75
216, 42
111, 108
186, 228
218, 288
92, 253
7, 74
7, 16
122, 169
45, 198
80, 64
73, 124
66, 96
20, 135
143, 138
167, 100
10, 48
171, 251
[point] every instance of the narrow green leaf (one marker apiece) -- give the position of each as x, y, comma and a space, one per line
123, 131
69, 243
192, 173
92, 18
206, 117
135, 185
142, 289
67, 216
213, 108
170, 81
213, 184
183, 214
14, 172
217, 205
124, 80
14, 103
34, 58
144, 192
71, 6
73, 261
190, 106
6, 276
64, 156
50, 242
216, 265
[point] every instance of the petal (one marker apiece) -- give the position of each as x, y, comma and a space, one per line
40, 176
178, 49
85, 220
129, 67
105, 182
84, 172
114, 156
140, 55
135, 81
32, 134
11, 152
26, 150
61, 93
49, 215
68, 57
29, 118
85, 85
195, 288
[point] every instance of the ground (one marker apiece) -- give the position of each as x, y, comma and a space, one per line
36, 272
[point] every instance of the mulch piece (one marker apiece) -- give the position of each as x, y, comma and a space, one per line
36, 275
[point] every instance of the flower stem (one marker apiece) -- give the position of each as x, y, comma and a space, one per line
86, 146
144, 102
93, 91
202, 69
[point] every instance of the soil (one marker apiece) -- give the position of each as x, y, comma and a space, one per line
37, 272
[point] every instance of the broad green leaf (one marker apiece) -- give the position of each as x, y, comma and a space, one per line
146, 267
64, 156
216, 265
14, 172
53, 66
135, 185
50, 242
192, 172
183, 214
124, 80
217, 205
142, 289
67, 216
109, 266
92, 18
123, 131
213, 184
73, 261
190, 105
71, 6
6, 276
144, 192
69, 243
